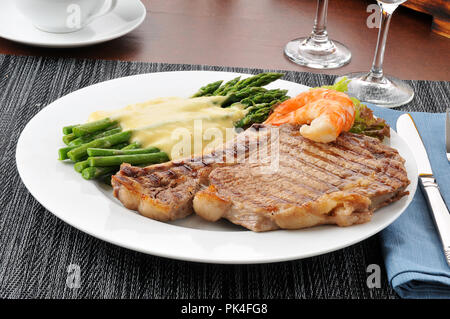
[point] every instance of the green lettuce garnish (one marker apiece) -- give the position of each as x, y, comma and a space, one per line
365, 123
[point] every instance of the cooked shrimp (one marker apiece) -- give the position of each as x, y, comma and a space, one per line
324, 118
300, 100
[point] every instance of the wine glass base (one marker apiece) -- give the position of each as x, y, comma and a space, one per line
385, 92
316, 55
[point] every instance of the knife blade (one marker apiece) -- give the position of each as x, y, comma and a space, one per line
407, 129
447, 133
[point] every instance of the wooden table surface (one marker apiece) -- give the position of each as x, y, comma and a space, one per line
252, 33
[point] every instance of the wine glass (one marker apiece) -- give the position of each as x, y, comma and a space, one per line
374, 86
317, 51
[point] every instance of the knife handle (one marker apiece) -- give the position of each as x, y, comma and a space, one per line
439, 211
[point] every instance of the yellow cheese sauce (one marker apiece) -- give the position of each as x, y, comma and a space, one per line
178, 126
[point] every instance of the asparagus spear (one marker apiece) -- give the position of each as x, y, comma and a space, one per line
257, 117
265, 97
81, 151
68, 129
237, 96
258, 80
256, 114
223, 90
208, 89
111, 152
249, 87
237, 84
92, 127
90, 137
152, 158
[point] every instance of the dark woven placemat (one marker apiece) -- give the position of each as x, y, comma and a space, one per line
36, 248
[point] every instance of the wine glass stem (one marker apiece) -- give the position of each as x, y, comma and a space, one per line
319, 32
377, 67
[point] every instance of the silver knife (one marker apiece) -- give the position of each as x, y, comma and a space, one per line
407, 129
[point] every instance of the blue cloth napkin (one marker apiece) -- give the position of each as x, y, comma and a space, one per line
413, 254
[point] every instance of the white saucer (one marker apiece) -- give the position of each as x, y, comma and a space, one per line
126, 17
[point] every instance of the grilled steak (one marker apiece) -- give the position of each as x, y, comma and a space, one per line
311, 184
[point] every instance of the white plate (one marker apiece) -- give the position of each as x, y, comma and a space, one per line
90, 207
126, 16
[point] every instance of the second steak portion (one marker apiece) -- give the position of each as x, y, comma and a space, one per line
306, 184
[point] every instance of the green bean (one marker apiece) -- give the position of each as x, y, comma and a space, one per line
68, 129
152, 158
132, 146
80, 166
95, 172
119, 146
90, 137
110, 152
80, 152
93, 127
67, 139
62, 152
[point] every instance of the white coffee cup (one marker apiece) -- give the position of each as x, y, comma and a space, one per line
63, 16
